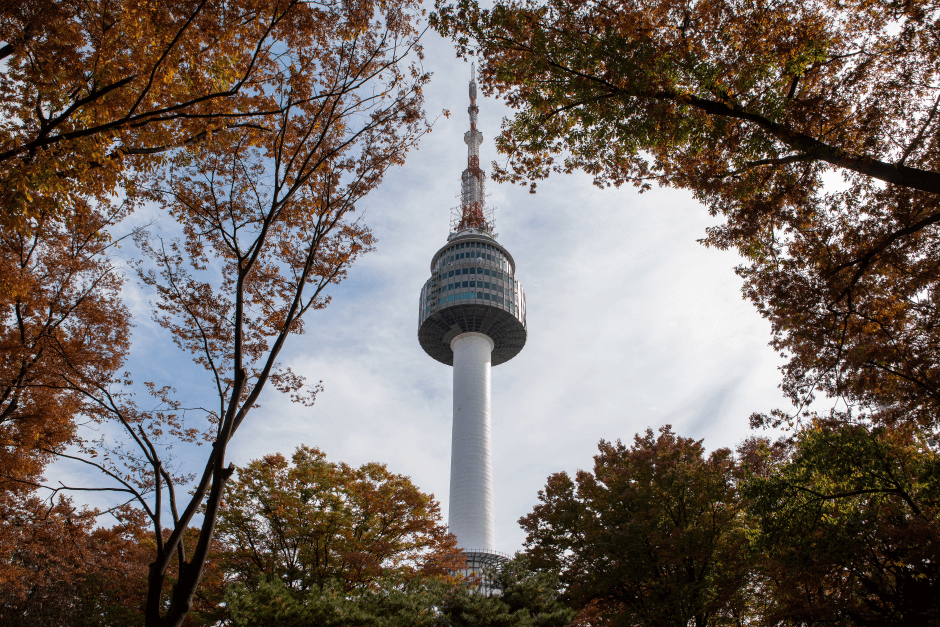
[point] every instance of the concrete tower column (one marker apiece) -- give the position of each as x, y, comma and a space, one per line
471, 460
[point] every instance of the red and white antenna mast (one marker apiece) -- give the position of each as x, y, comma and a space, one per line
472, 196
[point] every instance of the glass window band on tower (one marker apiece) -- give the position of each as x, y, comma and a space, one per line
485, 299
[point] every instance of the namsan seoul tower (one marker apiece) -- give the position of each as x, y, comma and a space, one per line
472, 316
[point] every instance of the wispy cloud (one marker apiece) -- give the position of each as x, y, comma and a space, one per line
632, 324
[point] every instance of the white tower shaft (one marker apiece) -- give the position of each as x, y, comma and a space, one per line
471, 463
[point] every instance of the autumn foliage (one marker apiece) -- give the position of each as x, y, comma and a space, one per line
62, 327
255, 128
654, 536
307, 524
757, 108
96, 94
811, 129
57, 566
313, 523
837, 525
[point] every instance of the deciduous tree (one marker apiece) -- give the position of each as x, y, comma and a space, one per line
751, 105
96, 93
58, 568
848, 526
654, 536
95, 98
265, 226
313, 523
61, 321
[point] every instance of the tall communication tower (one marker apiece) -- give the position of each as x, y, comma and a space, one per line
472, 315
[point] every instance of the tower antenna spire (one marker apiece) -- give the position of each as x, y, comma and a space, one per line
472, 182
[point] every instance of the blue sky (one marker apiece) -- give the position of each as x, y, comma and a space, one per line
632, 324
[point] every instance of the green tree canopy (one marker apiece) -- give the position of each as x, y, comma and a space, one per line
653, 536
527, 599
848, 526
750, 105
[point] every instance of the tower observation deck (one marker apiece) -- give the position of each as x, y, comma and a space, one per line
472, 316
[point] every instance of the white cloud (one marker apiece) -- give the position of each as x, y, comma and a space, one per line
632, 324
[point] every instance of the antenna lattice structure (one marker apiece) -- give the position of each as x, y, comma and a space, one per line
473, 211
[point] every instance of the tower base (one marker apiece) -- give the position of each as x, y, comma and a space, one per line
477, 561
